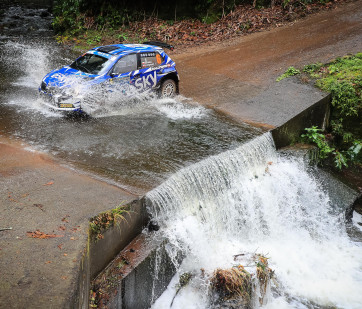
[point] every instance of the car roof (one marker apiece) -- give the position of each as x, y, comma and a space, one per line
117, 49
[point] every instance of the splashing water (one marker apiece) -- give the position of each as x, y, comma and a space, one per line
31, 62
252, 199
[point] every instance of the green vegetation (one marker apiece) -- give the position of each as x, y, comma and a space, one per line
104, 220
343, 140
109, 21
291, 71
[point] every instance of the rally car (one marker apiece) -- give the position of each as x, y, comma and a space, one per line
119, 67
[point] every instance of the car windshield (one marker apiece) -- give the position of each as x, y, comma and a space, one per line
90, 63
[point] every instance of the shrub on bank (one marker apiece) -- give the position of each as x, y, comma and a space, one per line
342, 142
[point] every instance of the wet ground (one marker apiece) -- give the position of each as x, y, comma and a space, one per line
248, 66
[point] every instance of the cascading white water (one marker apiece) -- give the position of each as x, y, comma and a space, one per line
251, 199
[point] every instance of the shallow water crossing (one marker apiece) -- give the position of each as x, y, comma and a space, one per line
135, 142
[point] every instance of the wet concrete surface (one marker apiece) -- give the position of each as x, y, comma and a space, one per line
237, 77
38, 194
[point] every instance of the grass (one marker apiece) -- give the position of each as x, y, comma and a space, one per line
104, 220
232, 283
237, 282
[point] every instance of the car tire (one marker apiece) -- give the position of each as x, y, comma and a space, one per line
168, 89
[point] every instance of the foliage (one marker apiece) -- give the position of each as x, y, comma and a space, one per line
166, 20
311, 68
104, 220
314, 136
291, 71
341, 157
343, 79
67, 16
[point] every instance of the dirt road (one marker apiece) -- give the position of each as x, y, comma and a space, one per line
230, 76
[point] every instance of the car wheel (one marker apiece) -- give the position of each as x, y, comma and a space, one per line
168, 88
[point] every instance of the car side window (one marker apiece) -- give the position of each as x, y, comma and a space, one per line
151, 59
126, 64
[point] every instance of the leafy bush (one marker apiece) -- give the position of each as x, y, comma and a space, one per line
340, 158
311, 68
314, 136
345, 98
291, 71
67, 16
343, 79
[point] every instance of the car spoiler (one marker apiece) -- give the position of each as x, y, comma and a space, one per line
159, 44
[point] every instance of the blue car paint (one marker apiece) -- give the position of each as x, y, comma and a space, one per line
54, 85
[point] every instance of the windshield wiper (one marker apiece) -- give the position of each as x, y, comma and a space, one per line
75, 65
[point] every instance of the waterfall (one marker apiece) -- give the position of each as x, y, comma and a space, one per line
251, 199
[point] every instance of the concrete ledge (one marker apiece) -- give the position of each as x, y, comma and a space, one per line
100, 252
115, 238
136, 277
315, 115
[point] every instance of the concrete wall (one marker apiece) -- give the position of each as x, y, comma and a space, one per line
315, 115
145, 283
100, 252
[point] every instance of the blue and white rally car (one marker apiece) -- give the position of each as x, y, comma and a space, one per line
132, 66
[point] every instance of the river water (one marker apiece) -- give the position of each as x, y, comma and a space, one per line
134, 143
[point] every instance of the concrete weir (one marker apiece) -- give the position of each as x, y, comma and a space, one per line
135, 277
101, 250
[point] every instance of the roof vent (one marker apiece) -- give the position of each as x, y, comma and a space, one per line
107, 48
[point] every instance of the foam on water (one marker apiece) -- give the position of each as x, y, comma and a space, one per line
178, 108
252, 200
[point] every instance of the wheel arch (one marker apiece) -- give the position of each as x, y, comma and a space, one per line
174, 77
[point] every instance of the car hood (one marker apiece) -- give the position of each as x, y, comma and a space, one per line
67, 77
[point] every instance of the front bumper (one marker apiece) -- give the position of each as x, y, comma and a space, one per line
60, 102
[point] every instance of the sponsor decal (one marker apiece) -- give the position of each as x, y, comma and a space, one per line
147, 81
150, 54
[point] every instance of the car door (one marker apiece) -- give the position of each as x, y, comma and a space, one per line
149, 66
123, 71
